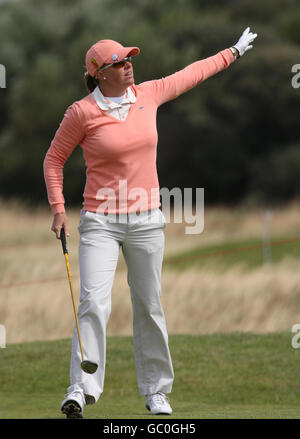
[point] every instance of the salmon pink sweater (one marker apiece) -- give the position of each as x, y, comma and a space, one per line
120, 156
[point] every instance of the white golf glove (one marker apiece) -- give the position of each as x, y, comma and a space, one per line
243, 44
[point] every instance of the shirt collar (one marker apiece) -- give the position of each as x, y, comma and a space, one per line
105, 104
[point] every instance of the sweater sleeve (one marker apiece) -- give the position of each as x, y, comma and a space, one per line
170, 87
69, 134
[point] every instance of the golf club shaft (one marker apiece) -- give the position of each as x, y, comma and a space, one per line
64, 246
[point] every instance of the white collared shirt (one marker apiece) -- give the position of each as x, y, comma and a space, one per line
117, 110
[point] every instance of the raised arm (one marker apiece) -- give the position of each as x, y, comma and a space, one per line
172, 86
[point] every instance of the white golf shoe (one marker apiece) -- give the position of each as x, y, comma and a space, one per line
72, 406
158, 404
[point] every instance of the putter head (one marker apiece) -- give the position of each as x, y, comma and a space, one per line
89, 367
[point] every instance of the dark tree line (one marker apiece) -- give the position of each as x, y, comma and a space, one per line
236, 135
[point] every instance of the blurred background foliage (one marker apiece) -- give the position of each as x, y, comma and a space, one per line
236, 135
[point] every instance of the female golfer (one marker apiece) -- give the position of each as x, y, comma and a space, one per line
115, 125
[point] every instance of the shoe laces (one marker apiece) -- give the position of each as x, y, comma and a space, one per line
159, 398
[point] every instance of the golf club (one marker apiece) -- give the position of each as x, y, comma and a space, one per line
86, 366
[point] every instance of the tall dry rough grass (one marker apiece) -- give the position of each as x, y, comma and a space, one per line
36, 303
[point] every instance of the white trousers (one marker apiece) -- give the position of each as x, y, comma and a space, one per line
142, 240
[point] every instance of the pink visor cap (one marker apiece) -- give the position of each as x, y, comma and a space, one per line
107, 52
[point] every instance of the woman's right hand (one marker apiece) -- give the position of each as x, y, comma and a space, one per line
60, 221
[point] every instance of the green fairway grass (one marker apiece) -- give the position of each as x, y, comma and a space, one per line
238, 375
249, 252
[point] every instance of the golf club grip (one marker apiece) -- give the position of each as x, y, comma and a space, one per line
63, 240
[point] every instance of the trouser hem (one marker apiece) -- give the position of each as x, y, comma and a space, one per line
151, 390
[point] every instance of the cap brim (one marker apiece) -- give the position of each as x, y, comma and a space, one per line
133, 51
126, 51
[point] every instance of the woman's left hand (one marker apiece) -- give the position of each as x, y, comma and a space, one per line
243, 44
